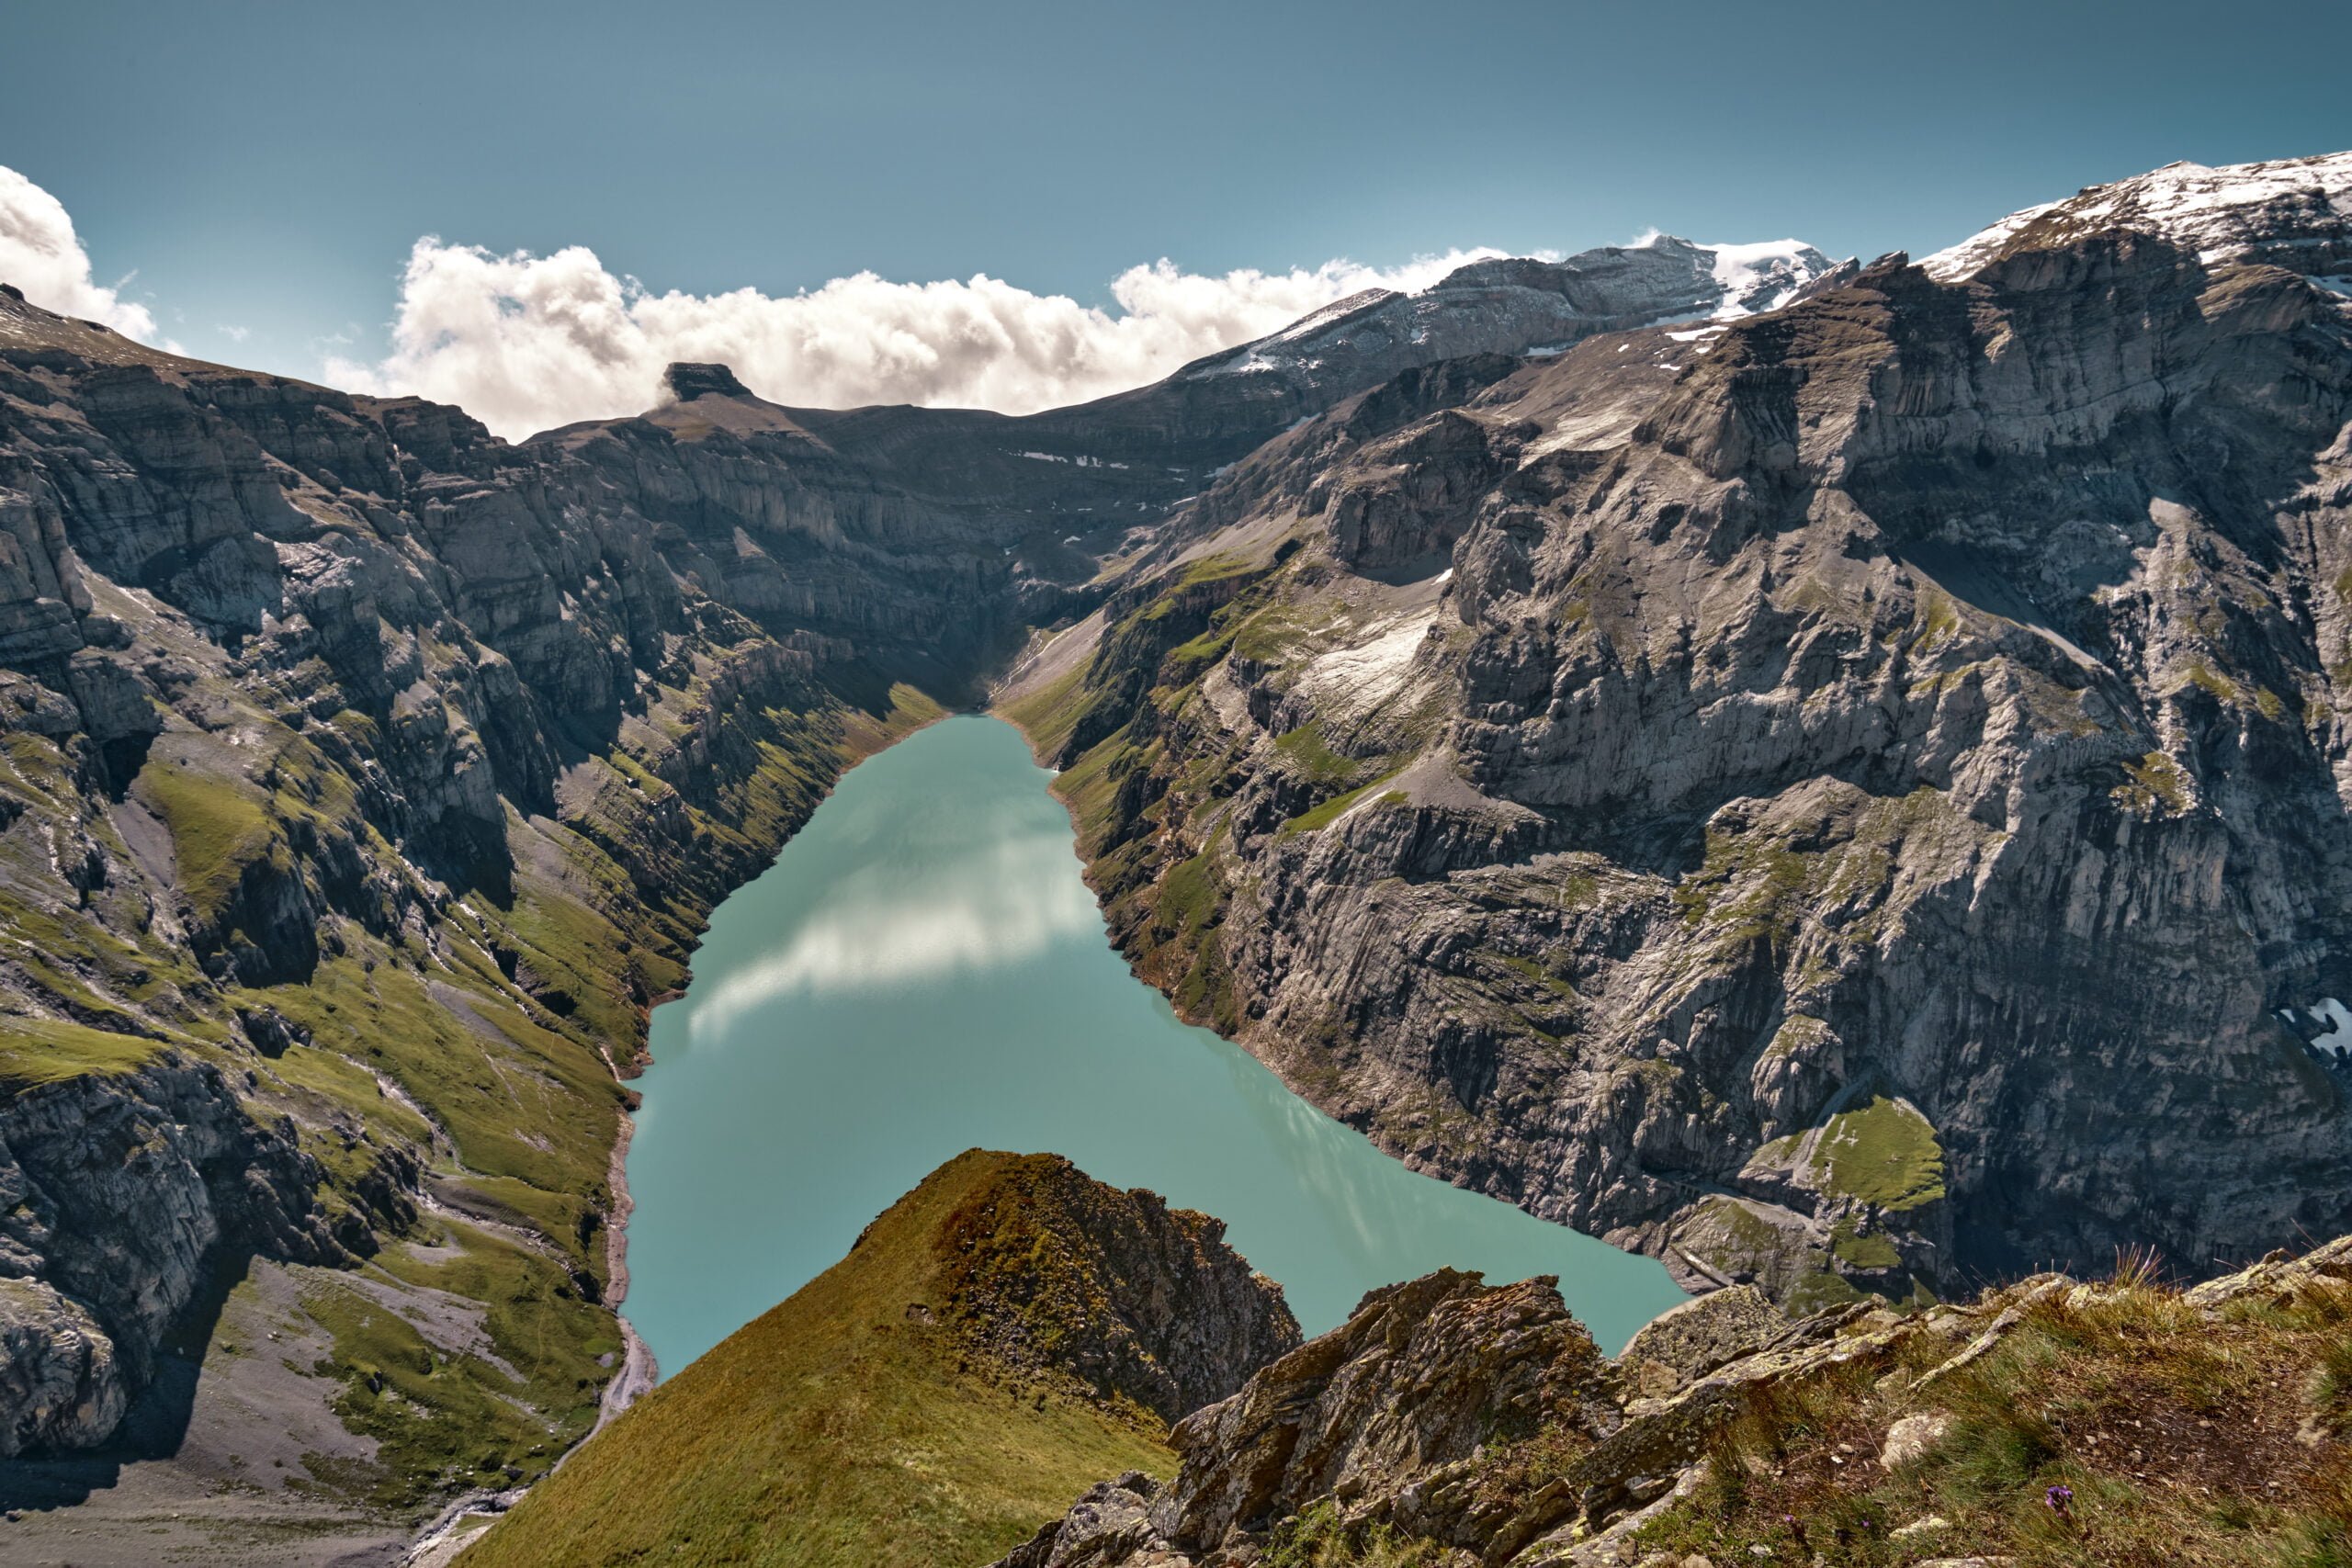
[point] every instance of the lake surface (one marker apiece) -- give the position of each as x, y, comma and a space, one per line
924, 971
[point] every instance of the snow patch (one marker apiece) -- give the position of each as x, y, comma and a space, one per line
2222, 214
1764, 275
1374, 671
2334, 1041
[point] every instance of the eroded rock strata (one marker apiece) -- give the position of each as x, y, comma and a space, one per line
1002, 1332
367, 778
1850, 798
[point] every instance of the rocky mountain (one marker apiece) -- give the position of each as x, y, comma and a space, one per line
1014, 1324
1519, 305
1851, 798
1453, 1425
1833, 776
367, 778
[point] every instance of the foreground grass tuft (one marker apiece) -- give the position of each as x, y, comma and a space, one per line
2116, 1424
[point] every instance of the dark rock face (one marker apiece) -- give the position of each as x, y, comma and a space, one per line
1385, 1410
686, 382
1048, 1268
1867, 803
84, 1297
1417, 1377
1847, 797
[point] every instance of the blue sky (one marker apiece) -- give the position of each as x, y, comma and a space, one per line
267, 167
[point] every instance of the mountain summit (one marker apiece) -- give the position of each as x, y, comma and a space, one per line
2294, 212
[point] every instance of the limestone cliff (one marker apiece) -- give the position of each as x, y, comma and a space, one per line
1836, 775
367, 777
1852, 798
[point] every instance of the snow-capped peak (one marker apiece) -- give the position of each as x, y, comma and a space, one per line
1764, 275
2240, 212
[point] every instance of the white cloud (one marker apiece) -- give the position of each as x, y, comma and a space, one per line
42, 255
525, 343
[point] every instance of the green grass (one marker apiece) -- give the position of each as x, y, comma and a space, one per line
2154, 785
838, 1429
443, 1415
1218, 568
217, 829
1330, 811
1872, 1250
1884, 1153
1048, 714
1192, 892
35, 1051
1317, 1538
1535, 973
519, 1100
1312, 757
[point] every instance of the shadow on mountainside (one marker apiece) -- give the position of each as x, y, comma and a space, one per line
159, 1419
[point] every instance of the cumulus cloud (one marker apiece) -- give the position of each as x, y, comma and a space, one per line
525, 343
42, 255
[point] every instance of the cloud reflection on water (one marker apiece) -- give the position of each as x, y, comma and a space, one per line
992, 905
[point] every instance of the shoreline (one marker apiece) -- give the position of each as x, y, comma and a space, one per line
447, 1534
637, 1373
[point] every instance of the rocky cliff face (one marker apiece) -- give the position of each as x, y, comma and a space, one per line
86, 1299
1850, 798
1834, 775
1047, 1269
361, 771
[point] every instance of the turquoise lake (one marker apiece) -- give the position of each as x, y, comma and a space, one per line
924, 971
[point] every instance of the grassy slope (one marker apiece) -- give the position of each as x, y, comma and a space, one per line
523, 1104
2188, 1436
834, 1430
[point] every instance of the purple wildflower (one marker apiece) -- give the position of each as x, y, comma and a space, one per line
2061, 1499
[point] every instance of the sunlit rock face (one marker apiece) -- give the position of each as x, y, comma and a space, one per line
1848, 798
1835, 775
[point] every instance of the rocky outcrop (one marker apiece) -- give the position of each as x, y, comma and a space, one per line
1693, 1339
1701, 783
988, 1341
336, 720
1474, 1424
1045, 1268
1859, 806
87, 1297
